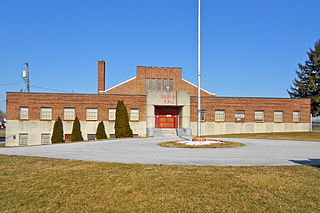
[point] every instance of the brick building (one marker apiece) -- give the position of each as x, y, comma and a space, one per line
159, 102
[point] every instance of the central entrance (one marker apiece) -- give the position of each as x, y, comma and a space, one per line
167, 116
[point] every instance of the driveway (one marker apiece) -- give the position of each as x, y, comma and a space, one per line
257, 152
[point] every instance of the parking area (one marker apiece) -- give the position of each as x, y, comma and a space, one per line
257, 152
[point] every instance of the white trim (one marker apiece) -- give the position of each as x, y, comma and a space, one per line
119, 84
197, 87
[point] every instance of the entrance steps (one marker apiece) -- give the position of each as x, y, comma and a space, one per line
165, 132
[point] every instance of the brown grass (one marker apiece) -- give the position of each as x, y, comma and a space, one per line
225, 144
301, 136
31, 184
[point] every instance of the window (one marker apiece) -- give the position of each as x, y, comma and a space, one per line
170, 84
219, 115
91, 137
239, 115
153, 84
69, 114
159, 84
112, 114
45, 113
23, 139
92, 114
134, 114
259, 116
202, 115
24, 113
296, 116
45, 138
147, 84
278, 116
165, 84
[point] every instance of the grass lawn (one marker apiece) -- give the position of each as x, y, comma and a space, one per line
301, 136
225, 144
31, 184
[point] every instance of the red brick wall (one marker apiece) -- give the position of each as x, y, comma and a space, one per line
249, 105
137, 85
34, 101
101, 75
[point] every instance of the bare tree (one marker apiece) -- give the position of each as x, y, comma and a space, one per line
2, 115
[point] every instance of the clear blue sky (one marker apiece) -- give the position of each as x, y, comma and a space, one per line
249, 47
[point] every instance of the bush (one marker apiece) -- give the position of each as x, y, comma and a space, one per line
76, 134
101, 132
122, 127
57, 134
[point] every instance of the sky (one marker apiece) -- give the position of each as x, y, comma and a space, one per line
250, 48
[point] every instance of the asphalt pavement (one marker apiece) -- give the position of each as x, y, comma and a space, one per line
257, 152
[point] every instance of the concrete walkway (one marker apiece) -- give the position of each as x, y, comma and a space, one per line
145, 151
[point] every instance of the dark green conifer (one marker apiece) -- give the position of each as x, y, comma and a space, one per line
76, 134
122, 126
101, 132
57, 134
307, 84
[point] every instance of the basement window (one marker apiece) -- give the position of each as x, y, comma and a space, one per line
45, 138
23, 139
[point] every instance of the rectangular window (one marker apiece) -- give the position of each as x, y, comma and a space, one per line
24, 113
153, 84
278, 116
92, 114
170, 84
296, 116
159, 84
134, 114
112, 114
239, 115
91, 137
202, 115
45, 138
165, 85
45, 113
69, 114
23, 139
147, 84
259, 116
219, 115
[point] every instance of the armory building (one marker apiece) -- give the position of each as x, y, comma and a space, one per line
159, 102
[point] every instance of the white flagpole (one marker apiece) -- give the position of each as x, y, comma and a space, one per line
199, 70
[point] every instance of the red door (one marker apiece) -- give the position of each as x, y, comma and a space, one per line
167, 117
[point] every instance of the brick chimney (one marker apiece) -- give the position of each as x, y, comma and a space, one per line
101, 76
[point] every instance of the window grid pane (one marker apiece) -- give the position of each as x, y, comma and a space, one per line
112, 114
45, 138
278, 116
23, 139
69, 114
24, 113
259, 116
202, 115
153, 84
159, 84
296, 117
219, 115
165, 84
92, 114
170, 84
134, 114
46, 113
147, 84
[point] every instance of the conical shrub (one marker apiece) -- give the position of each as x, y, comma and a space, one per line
122, 126
101, 132
57, 134
76, 134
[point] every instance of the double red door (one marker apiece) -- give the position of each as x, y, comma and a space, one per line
167, 117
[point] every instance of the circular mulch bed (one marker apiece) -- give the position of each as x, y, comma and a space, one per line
223, 144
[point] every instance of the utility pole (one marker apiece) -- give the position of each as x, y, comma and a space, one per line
199, 70
25, 76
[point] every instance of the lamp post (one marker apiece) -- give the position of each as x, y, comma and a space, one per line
199, 70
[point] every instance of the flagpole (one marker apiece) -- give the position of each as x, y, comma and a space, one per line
199, 70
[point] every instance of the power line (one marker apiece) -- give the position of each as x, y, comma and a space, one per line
6, 84
45, 88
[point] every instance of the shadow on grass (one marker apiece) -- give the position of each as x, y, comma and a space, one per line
315, 162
